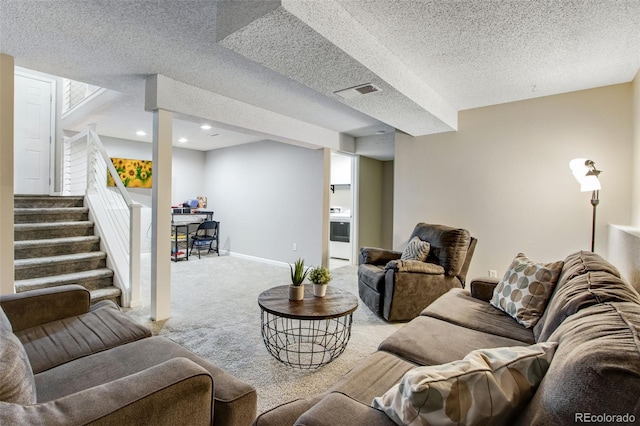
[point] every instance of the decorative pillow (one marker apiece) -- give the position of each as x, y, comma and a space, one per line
525, 289
16, 377
416, 250
487, 385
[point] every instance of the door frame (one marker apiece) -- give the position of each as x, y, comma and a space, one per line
35, 75
355, 207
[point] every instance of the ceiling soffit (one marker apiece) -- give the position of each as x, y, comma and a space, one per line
286, 43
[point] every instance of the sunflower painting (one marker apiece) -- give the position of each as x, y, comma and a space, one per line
133, 173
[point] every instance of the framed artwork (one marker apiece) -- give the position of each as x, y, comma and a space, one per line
132, 173
202, 202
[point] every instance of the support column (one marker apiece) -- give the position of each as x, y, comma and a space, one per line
161, 216
6, 174
326, 201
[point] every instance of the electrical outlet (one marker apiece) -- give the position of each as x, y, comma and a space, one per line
493, 273
295, 247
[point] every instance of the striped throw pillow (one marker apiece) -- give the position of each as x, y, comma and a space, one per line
416, 250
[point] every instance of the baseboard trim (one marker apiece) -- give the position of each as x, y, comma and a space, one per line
256, 259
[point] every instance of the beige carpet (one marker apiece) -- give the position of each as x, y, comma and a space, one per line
215, 313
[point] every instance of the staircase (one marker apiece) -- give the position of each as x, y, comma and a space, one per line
54, 245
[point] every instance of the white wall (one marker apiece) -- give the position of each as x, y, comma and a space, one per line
505, 176
268, 196
188, 168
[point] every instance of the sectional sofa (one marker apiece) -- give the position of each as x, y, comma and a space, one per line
64, 362
585, 347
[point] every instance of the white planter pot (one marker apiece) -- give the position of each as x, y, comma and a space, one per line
319, 290
296, 292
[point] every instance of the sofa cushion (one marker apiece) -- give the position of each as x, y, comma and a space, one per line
582, 262
576, 264
487, 385
448, 245
372, 276
57, 342
16, 378
430, 341
582, 291
525, 289
416, 250
235, 401
457, 306
370, 378
596, 368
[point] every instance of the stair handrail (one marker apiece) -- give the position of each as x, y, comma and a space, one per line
121, 240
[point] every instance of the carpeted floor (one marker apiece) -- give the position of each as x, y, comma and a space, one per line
215, 313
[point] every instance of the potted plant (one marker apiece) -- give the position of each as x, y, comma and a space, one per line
320, 277
298, 274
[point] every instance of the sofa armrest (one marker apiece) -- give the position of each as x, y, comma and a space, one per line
377, 256
36, 307
415, 266
482, 288
177, 391
338, 408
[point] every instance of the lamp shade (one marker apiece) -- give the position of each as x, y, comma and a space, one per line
583, 171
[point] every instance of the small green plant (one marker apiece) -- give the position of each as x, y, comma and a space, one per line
320, 275
298, 272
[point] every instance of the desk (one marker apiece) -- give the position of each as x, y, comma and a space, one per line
180, 239
208, 215
306, 333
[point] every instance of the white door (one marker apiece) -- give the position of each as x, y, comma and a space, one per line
32, 135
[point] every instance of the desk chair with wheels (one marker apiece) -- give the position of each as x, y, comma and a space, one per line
206, 236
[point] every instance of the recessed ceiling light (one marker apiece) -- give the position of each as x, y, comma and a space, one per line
141, 133
205, 127
182, 140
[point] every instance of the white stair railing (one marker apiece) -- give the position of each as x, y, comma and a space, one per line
116, 217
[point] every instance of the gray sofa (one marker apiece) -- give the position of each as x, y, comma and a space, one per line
593, 315
64, 362
399, 291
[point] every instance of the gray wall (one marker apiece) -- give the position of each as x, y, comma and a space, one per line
505, 176
268, 196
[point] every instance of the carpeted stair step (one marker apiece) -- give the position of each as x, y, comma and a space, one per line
106, 293
46, 201
57, 214
47, 230
91, 280
59, 265
55, 246
99, 283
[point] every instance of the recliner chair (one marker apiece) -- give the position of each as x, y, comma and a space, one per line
399, 290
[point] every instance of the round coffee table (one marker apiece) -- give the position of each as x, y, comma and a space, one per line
308, 333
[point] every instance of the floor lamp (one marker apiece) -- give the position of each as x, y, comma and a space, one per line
587, 175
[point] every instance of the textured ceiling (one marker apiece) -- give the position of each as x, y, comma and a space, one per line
431, 58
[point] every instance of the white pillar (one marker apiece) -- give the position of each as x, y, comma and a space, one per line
6, 174
326, 201
161, 216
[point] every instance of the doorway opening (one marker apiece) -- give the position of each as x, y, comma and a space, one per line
342, 208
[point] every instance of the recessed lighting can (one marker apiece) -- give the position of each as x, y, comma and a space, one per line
141, 133
182, 140
205, 127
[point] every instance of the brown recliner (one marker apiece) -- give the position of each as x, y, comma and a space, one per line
399, 291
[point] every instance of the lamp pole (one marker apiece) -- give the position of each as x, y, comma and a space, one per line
594, 203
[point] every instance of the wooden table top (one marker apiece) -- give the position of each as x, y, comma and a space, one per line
336, 303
